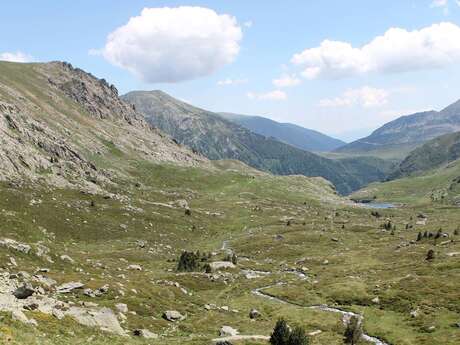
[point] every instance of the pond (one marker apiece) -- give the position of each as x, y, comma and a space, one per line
379, 205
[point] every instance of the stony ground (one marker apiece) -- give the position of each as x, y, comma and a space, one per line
78, 268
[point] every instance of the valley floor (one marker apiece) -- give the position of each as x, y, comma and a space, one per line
296, 241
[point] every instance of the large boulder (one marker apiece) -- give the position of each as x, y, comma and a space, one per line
220, 265
24, 291
173, 315
227, 331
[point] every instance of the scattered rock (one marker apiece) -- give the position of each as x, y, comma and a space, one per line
218, 265
145, 333
254, 314
135, 268
24, 291
67, 258
121, 307
173, 315
68, 287
227, 331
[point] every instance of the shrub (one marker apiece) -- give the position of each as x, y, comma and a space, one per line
430, 255
419, 236
188, 262
297, 337
282, 335
281, 332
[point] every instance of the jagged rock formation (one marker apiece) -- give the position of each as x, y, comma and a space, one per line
64, 126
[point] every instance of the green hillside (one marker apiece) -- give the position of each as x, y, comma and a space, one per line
217, 138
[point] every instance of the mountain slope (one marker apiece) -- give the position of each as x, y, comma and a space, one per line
300, 137
62, 125
218, 138
397, 138
434, 153
438, 185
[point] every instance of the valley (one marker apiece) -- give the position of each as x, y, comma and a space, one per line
98, 209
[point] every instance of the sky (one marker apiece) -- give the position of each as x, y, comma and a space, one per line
341, 67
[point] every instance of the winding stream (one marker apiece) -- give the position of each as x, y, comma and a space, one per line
259, 292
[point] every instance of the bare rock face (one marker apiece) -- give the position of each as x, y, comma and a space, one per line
57, 118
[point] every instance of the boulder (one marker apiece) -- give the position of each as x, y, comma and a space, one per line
24, 291
121, 307
227, 331
68, 287
254, 314
103, 318
144, 333
219, 265
135, 268
173, 315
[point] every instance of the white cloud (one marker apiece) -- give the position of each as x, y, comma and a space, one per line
275, 95
398, 50
230, 81
439, 3
366, 97
248, 24
16, 57
286, 81
174, 44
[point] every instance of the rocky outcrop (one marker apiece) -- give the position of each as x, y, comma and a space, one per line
56, 119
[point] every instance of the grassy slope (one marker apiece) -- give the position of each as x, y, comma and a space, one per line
440, 185
363, 264
433, 154
217, 138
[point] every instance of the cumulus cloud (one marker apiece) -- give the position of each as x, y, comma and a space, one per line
230, 81
16, 57
366, 97
439, 3
398, 50
174, 44
286, 81
248, 24
275, 95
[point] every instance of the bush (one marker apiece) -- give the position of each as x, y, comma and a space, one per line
281, 332
282, 335
430, 255
191, 262
298, 337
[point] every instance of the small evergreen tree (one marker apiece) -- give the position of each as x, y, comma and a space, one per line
430, 255
281, 333
188, 262
297, 337
419, 236
354, 330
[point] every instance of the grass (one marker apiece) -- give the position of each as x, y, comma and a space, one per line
247, 209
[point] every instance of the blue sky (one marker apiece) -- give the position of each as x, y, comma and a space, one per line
352, 93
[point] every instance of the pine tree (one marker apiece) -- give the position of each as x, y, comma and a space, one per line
419, 236
281, 333
430, 255
297, 337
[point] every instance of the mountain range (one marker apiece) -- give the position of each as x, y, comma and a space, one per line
218, 138
62, 125
300, 137
397, 138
